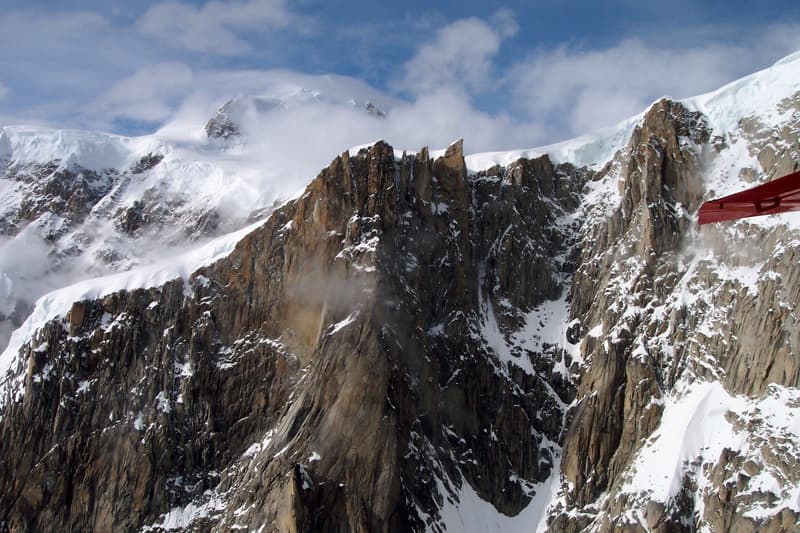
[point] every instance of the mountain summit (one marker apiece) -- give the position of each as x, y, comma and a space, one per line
426, 341
246, 112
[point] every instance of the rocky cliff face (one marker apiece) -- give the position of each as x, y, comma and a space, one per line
408, 334
337, 359
663, 307
659, 186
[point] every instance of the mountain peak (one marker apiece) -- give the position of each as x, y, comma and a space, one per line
247, 111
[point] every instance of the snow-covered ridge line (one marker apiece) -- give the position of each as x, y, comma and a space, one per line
59, 302
592, 150
93, 150
759, 93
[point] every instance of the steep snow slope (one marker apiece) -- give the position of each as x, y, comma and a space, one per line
591, 150
79, 204
92, 150
58, 303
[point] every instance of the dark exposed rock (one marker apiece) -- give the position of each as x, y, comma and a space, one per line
334, 360
616, 391
130, 220
68, 193
374, 110
91, 221
220, 127
146, 163
777, 148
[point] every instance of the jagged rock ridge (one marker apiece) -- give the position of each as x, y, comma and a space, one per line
360, 308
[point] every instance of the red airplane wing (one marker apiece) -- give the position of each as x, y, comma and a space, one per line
777, 196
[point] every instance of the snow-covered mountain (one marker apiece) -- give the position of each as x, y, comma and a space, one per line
247, 112
538, 339
76, 204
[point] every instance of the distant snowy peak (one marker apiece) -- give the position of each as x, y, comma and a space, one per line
235, 114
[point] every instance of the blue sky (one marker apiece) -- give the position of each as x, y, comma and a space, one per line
526, 72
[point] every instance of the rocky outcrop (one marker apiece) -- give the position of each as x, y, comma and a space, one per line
659, 185
641, 337
775, 146
52, 190
67, 202
335, 360
220, 126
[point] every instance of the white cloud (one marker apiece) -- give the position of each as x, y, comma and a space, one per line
293, 144
3, 90
442, 116
22, 27
68, 49
175, 93
150, 94
60, 60
285, 148
575, 91
76, 69
460, 56
504, 22
214, 27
